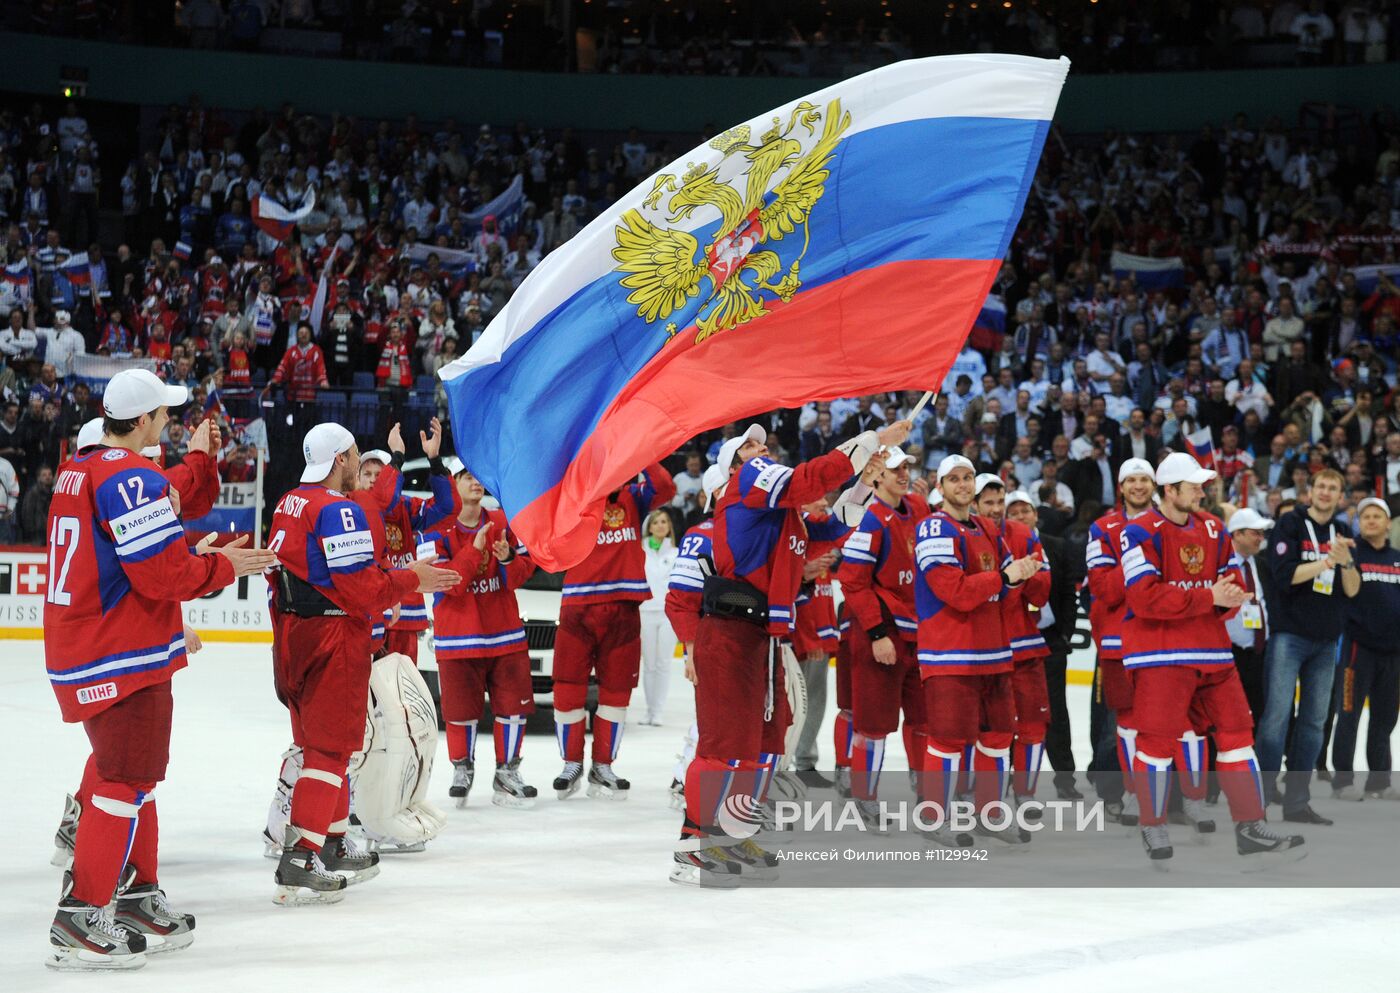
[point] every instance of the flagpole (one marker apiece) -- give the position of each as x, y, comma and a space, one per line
258, 500
923, 402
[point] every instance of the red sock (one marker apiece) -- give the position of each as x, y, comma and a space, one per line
867, 759
461, 741
608, 723
143, 846
508, 733
317, 797
707, 782
842, 738
991, 761
915, 744
107, 832
1241, 782
1026, 760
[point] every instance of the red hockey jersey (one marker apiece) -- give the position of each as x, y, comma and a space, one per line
118, 571
324, 538
694, 560
877, 568
1168, 570
616, 568
1022, 623
478, 618
1108, 602
958, 597
403, 517
760, 535
816, 629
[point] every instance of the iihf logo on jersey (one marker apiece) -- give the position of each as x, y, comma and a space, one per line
112, 454
739, 816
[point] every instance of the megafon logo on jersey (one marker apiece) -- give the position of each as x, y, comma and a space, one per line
143, 521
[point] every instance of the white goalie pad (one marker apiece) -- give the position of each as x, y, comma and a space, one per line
797, 699
279, 812
389, 777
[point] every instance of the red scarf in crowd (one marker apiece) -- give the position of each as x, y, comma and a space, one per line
386, 360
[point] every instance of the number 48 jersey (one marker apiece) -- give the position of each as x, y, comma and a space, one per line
119, 568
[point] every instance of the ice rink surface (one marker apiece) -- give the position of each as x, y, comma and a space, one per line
575, 895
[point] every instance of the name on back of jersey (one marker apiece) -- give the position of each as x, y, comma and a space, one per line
291, 505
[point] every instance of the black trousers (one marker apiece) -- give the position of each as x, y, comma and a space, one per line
1250, 665
1365, 674
1057, 736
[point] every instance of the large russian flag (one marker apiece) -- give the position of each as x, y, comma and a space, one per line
842, 244
1149, 273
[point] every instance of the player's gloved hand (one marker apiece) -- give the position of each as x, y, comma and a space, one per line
1227, 593
883, 650
895, 434
432, 579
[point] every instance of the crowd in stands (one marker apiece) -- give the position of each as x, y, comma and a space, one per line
738, 37
1275, 330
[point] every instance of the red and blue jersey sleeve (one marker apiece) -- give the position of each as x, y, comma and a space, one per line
860, 557
765, 485
655, 488
341, 557
687, 582
940, 551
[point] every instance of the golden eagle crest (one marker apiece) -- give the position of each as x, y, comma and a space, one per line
614, 517
1193, 559
664, 266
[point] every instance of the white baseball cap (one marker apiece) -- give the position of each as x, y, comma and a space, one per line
896, 457
712, 482
451, 463
1178, 467
1019, 496
1368, 502
951, 462
985, 479
1247, 518
320, 447
90, 434
727, 451
62, 317
378, 455
1135, 467
935, 498
133, 392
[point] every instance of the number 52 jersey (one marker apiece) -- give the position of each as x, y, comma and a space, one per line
118, 571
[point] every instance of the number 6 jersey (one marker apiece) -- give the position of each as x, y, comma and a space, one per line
118, 571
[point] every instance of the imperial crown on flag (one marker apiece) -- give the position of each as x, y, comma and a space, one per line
839, 245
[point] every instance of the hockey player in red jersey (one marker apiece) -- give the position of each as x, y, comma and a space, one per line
119, 568
329, 590
600, 631
877, 579
404, 516
1107, 606
964, 653
479, 642
1179, 588
760, 544
1020, 613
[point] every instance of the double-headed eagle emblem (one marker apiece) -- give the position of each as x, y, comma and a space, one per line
665, 267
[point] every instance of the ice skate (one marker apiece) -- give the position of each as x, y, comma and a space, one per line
1201, 820
144, 909
709, 868
1033, 811
843, 782
509, 790
303, 879
1158, 845
1129, 817
1351, 793
567, 783
603, 782
756, 863
872, 816
1113, 811
1264, 848
463, 773
1389, 793
87, 938
66, 835
1009, 835
677, 795
339, 856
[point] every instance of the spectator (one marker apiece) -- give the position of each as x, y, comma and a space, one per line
63, 344
689, 486
820, 439
18, 341
34, 509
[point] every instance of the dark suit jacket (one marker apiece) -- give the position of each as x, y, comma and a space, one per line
814, 444
1085, 481
1063, 597
1152, 447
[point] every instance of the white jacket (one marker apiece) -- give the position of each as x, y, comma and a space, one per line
658, 573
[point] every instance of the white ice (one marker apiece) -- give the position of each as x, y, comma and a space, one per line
575, 895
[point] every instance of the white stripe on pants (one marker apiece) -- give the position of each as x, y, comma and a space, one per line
658, 659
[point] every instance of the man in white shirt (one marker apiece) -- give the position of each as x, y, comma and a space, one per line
1249, 626
64, 342
688, 485
1025, 465
970, 363
1103, 362
1246, 393
1226, 347
1005, 390
9, 501
1117, 404
18, 341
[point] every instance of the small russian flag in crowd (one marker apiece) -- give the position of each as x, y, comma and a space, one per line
990, 326
182, 251
76, 270
1200, 447
17, 273
1149, 273
277, 220
840, 245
